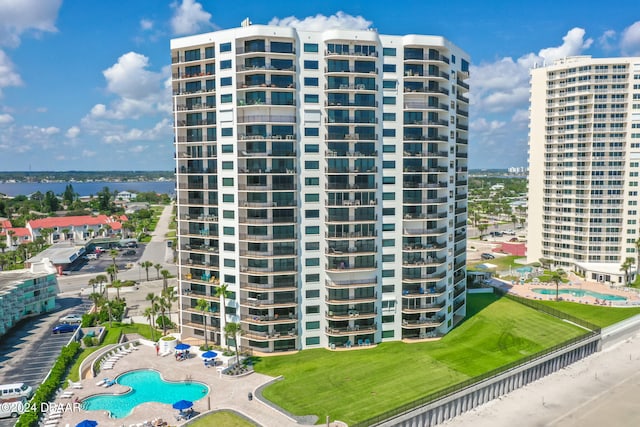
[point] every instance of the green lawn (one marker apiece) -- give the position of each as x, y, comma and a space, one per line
502, 262
352, 386
222, 418
601, 316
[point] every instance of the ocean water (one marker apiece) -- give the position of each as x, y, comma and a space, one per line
86, 188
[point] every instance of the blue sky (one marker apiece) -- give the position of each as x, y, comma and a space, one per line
83, 84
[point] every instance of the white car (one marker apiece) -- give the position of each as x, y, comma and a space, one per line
92, 256
71, 318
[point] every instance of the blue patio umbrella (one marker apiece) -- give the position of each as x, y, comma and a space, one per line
181, 405
183, 346
87, 423
209, 354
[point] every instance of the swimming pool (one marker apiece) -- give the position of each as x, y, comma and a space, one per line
146, 386
580, 293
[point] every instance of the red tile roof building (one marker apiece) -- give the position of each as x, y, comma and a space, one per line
79, 227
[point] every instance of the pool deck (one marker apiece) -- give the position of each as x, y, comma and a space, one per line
575, 283
225, 392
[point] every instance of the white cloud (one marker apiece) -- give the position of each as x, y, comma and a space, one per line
5, 119
604, 41
520, 117
88, 153
146, 24
8, 76
320, 22
630, 43
573, 44
20, 16
42, 109
189, 18
73, 132
482, 125
137, 148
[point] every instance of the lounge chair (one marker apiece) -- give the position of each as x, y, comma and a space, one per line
66, 395
367, 342
101, 382
360, 343
133, 347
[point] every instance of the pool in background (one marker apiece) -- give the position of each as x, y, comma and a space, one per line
580, 293
146, 386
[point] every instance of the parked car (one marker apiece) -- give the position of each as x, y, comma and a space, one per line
130, 252
65, 327
92, 256
71, 318
487, 256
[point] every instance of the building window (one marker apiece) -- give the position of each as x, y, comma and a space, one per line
388, 273
312, 246
388, 117
388, 334
312, 230
225, 81
311, 148
229, 278
311, 132
228, 198
312, 340
209, 52
389, 68
389, 84
225, 65
227, 131
312, 278
388, 51
312, 164
312, 262
313, 182
388, 179
227, 182
192, 55
312, 325
310, 65
227, 148
388, 164
389, 132
388, 258
389, 100
311, 81
228, 214
228, 231
229, 262
226, 98
312, 197
388, 227
388, 243
311, 99
388, 211
229, 247
227, 165
225, 47
387, 148
311, 47
312, 213
312, 309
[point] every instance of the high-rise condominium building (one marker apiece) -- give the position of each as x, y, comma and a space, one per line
322, 177
584, 162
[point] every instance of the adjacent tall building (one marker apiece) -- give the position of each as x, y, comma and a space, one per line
584, 165
322, 177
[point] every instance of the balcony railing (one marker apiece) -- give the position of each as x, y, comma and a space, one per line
351, 330
267, 118
351, 283
342, 266
266, 85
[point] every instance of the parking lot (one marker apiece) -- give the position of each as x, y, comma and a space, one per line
29, 350
98, 266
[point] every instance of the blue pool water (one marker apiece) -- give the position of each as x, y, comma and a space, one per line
146, 386
580, 293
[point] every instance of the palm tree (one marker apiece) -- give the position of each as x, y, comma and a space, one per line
170, 297
146, 265
113, 254
112, 270
93, 282
46, 233
162, 306
153, 299
96, 298
100, 279
482, 228
117, 284
149, 314
108, 305
203, 306
626, 266
222, 292
556, 277
3, 246
11, 235
158, 267
638, 256
233, 331
165, 276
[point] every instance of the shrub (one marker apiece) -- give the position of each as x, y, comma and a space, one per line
88, 341
89, 320
164, 319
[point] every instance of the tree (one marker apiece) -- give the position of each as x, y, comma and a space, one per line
3, 246
100, 280
113, 254
165, 276
146, 265
96, 298
233, 331
482, 228
11, 235
104, 200
117, 284
69, 195
626, 266
46, 233
162, 306
637, 256
153, 299
222, 292
107, 304
93, 282
112, 270
158, 267
203, 306
556, 277
149, 314
170, 297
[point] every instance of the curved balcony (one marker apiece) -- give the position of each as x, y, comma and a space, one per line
266, 304
425, 201
411, 104
266, 287
353, 71
351, 300
333, 153
424, 278
267, 237
427, 154
352, 250
349, 235
424, 308
419, 247
348, 268
434, 57
349, 314
330, 219
422, 216
427, 322
343, 203
267, 254
266, 319
245, 269
267, 67
351, 136
359, 283
421, 292
194, 107
285, 171
266, 118
277, 187
266, 85
350, 330
267, 221
269, 336
423, 262
350, 170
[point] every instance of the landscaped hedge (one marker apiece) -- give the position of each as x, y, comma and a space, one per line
47, 389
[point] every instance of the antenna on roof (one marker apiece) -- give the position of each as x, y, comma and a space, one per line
245, 23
